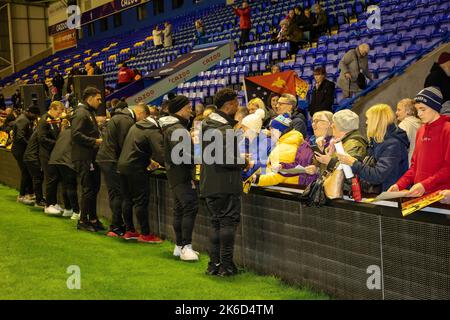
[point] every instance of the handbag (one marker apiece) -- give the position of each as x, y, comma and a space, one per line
367, 187
314, 194
334, 184
361, 79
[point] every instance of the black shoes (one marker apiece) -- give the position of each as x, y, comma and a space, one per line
85, 226
227, 271
40, 204
213, 269
98, 226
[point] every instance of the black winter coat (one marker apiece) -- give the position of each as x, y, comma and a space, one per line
299, 123
114, 135
62, 152
22, 131
181, 172
47, 130
221, 177
322, 98
32, 151
84, 134
144, 142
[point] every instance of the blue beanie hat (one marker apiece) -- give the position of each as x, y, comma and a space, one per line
431, 97
282, 123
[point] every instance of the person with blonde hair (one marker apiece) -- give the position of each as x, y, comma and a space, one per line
407, 117
257, 103
388, 146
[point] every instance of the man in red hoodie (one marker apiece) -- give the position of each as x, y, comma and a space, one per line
244, 22
125, 76
430, 163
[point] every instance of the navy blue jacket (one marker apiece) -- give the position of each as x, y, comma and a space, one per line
391, 159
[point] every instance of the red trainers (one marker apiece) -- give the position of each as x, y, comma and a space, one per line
131, 235
149, 238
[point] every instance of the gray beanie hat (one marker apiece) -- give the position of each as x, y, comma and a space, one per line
346, 120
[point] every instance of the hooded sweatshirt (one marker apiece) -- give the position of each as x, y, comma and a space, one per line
144, 142
410, 125
430, 164
391, 157
126, 75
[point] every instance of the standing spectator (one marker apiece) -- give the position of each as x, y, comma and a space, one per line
125, 76
322, 96
108, 154
199, 37
181, 176
48, 129
439, 76
2, 102
221, 184
306, 23
143, 146
257, 103
287, 104
430, 164
351, 64
321, 25
168, 36
407, 120
388, 145
16, 100
22, 131
244, 22
293, 34
92, 69
58, 83
157, 37
61, 158
85, 142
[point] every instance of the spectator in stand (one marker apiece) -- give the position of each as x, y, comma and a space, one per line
10, 117
2, 102
287, 141
345, 127
125, 76
407, 120
108, 90
16, 100
287, 104
306, 23
199, 37
244, 22
73, 72
168, 36
154, 112
37, 80
137, 74
388, 145
241, 113
257, 103
272, 101
430, 164
351, 64
58, 83
321, 25
275, 69
293, 34
208, 110
439, 76
22, 131
92, 69
157, 37
322, 96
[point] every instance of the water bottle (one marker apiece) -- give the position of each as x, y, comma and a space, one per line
356, 189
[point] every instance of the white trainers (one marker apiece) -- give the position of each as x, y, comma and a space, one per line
57, 206
25, 200
52, 210
177, 251
187, 254
75, 216
67, 213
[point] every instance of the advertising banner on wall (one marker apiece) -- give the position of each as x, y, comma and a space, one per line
64, 40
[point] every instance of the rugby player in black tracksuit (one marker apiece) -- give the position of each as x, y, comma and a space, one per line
113, 138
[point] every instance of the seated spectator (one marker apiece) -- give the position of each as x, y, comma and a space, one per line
430, 163
322, 96
345, 128
125, 76
407, 117
350, 65
388, 145
439, 76
287, 104
272, 102
287, 140
157, 37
